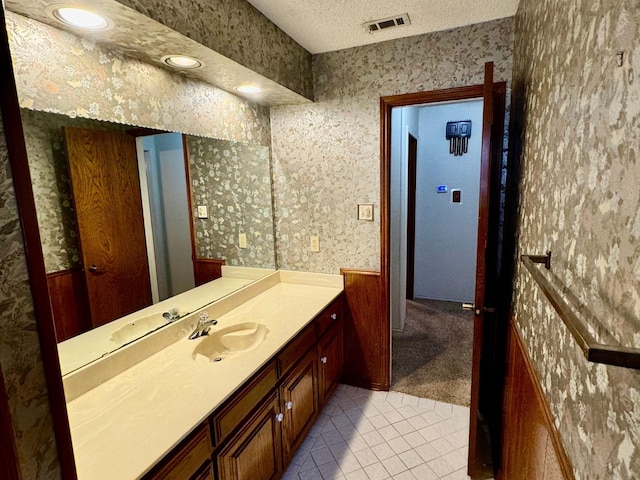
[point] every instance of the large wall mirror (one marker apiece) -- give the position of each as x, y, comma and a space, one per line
134, 209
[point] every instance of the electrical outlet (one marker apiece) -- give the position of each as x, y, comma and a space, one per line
242, 240
315, 244
202, 211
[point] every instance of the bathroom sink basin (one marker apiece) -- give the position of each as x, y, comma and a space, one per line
231, 340
138, 328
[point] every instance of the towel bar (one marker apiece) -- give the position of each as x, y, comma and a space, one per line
593, 351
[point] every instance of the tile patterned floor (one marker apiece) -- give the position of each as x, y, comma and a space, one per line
366, 435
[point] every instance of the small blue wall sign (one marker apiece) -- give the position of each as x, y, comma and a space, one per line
442, 189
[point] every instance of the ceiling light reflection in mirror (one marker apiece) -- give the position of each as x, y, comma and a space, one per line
79, 17
181, 61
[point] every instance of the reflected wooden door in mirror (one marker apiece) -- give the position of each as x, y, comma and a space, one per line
106, 190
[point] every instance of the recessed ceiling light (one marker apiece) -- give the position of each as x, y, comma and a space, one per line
249, 89
181, 61
79, 17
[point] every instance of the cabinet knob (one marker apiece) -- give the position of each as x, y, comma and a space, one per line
323, 359
289, 405
334, 316
279, 417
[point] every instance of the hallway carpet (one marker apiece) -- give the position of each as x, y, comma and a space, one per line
432, 355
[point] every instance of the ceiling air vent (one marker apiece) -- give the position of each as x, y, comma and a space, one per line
385, 23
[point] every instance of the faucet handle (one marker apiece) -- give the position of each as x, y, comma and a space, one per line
204, 316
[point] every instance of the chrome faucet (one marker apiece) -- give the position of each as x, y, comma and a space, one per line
172, 315
203, 326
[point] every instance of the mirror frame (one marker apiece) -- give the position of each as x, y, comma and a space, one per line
21, 177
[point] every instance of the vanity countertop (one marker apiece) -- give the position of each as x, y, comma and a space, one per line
121, 428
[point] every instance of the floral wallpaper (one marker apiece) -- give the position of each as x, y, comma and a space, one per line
19, 343
234, 182
117, 88
578, 114
237, 30
326, 156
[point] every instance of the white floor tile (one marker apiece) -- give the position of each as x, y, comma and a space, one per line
410, 458
376, 472
330, 470
379, 421
366, 435
424, 472
394, 465
388, 432
322, 455
310, 475
383, 451
373, 438
406, 475
366, 457
440, 466
357, 475
399, 445
404, 427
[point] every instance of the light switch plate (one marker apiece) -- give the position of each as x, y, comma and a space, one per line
365, 211
242, 240
202, 211
314, 244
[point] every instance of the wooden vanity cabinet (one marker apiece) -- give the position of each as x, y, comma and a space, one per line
254, 434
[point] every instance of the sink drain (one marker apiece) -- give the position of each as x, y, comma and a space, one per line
217, 359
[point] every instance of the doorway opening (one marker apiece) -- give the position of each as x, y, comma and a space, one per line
165, 204
435, 201
486, 377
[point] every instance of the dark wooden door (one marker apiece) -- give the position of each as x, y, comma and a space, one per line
475, 465
106, 189
411, 214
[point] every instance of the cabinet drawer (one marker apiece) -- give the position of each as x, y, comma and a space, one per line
292, 353
187, 458
329, 316
234, 412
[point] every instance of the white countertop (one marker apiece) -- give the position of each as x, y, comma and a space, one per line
121, 428
82, 349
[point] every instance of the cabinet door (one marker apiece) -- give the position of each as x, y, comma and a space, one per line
330, 354
299, 398
255, 453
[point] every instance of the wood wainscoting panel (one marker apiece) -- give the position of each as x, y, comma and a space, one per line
69, 303
531, 444
8, 454
207, 269
366, 332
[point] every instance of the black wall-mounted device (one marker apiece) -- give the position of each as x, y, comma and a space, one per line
458, 133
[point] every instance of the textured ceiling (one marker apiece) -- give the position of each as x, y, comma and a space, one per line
327, 25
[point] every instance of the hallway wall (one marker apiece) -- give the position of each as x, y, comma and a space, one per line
447, 232
326, 156
404, 121
577, 115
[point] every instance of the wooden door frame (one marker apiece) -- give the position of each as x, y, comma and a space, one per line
386, 106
